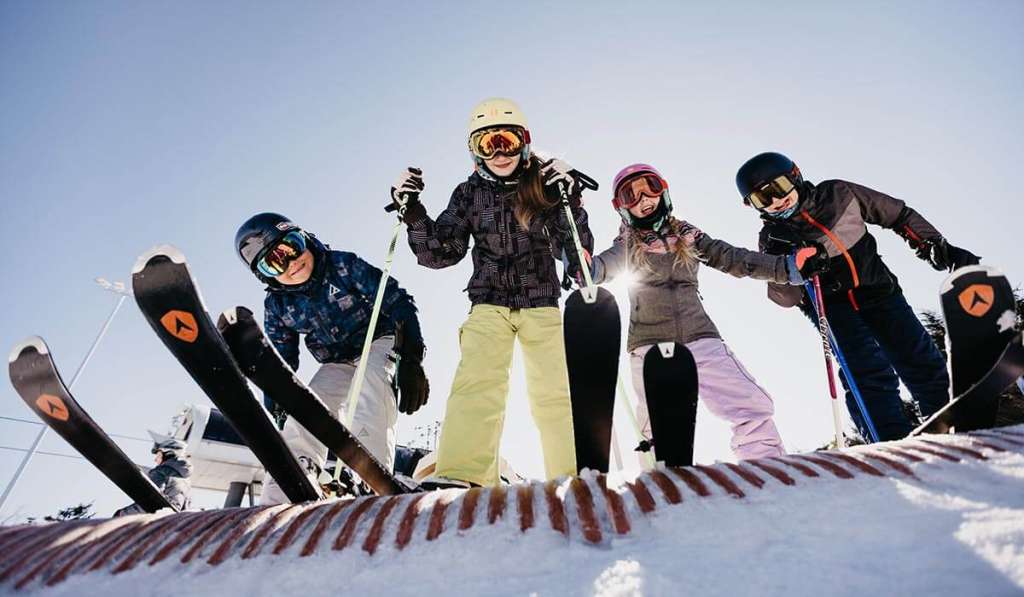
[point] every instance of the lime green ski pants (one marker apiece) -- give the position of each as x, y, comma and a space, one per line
475, 413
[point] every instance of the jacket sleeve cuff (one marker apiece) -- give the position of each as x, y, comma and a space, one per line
795, 278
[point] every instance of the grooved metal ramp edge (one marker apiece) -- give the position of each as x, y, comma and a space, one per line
594, 510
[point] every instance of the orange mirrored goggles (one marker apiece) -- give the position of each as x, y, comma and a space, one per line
488, 143
276, 259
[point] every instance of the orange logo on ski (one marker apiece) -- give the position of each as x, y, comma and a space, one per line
52, 407
181, 325
977, 299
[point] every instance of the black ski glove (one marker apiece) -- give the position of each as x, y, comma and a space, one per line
412, 386
572, 272
945, 256
940, 254
406, 193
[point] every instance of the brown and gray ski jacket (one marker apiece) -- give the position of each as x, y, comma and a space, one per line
835, 213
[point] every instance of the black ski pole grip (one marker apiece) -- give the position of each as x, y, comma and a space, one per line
585, 181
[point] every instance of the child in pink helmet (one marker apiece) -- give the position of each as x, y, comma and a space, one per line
664, 253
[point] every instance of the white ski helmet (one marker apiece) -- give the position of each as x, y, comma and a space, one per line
492, 112
496, 111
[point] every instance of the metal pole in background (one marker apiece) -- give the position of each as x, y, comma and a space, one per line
115, 287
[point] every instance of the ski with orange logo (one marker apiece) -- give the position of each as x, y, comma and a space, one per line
169, 299
35, 377
261, 363
984, 348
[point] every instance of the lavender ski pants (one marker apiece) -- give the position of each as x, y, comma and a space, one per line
728, 391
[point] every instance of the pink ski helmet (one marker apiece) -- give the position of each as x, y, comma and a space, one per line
622, 203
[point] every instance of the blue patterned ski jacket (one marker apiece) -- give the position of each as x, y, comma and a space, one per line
333, 309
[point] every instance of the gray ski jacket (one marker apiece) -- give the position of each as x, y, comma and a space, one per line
172, 478
665, 303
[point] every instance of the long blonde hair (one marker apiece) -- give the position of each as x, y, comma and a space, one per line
638, 240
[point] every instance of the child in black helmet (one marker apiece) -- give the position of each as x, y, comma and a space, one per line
881, 337
328, 296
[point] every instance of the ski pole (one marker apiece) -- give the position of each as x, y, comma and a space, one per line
837, 420
623, 395
845, 371
628, 407
589, 291
616, 452
357, 379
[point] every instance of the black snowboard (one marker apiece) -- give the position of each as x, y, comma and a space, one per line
39, 384
592, 340
261, 363
168, 297
670, 385
983, 346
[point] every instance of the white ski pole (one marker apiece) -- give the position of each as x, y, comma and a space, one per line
357, 379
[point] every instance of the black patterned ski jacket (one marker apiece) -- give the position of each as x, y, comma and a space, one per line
512, 267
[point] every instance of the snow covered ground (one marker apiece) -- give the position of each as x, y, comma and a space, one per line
942, 516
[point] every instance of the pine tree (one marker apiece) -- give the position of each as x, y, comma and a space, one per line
79, 512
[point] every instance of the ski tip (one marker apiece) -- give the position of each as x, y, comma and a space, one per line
169, 251
230, 315
992, 272
31, 342
589, 294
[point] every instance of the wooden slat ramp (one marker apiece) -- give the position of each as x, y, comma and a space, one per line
592, 510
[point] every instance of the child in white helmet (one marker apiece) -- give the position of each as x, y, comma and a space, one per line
511, 208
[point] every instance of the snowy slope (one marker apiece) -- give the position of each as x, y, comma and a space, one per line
942, 515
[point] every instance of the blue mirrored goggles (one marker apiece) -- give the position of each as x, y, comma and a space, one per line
276, 259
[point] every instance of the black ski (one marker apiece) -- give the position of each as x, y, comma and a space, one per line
168, 297
963, 412
592, 339
670, 384
984, 349
980, 314
261, 363
39, 384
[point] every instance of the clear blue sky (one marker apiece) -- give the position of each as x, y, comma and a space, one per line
125, 125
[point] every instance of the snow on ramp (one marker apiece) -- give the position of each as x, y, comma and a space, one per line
939, 514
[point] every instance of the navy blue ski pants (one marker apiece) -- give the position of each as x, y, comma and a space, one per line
884, 343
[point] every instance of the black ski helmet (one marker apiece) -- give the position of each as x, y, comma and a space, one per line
259, 233
764, 167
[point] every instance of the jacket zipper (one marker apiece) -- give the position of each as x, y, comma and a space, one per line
845, 252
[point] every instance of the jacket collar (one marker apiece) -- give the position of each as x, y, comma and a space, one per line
498, 184
806, 200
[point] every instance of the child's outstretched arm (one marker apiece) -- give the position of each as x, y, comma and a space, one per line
610, 262
744, 263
